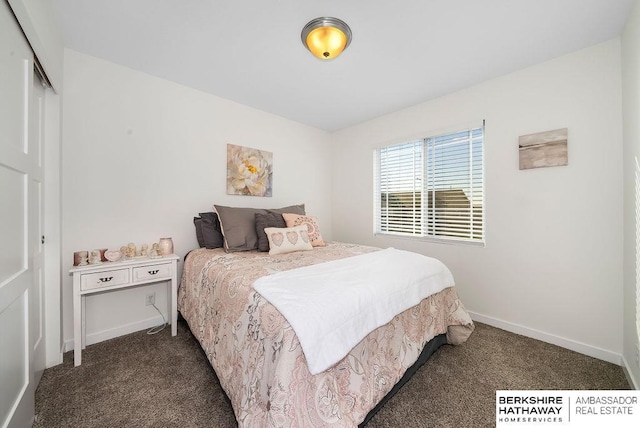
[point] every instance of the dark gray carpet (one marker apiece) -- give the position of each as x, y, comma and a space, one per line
140, 380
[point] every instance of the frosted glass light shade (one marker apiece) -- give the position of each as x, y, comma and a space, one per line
326, 37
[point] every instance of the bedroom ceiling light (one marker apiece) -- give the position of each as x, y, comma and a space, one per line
326, 37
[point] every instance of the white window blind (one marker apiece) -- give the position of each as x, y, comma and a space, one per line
432, 188
401, 188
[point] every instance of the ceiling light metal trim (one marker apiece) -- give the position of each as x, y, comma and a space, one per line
324, 49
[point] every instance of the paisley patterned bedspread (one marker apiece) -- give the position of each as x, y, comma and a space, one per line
258, 357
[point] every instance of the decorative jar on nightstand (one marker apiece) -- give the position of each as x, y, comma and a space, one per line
166, 245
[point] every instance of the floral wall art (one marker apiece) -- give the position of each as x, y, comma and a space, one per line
249, 171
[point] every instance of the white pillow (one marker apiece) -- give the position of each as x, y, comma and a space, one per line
287, 239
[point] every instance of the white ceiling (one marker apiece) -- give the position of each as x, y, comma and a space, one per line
403, 52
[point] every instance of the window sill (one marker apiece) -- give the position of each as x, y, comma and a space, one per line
434, 240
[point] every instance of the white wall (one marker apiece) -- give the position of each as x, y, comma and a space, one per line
142, 156
631, 132
551, 267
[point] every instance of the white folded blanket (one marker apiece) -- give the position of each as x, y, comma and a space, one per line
332, 306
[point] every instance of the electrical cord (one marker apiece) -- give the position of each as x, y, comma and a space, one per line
158, 328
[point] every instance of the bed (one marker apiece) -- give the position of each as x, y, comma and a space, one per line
258, 358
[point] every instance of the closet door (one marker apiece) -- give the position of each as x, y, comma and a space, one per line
20, 183
36, 228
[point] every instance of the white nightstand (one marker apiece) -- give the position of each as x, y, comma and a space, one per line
109, 276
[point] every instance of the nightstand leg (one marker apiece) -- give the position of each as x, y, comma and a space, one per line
174, 299
77, 322
83, 301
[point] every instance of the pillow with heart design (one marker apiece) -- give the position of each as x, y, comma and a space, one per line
311, 223
283, 240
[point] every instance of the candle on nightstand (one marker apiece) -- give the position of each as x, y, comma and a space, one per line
84, 258
166, 245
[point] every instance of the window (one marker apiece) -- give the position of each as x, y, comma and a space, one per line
432, 187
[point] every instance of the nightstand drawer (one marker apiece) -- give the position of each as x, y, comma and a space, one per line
108, 278
151, 272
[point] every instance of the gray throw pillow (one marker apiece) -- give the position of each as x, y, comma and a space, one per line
197, 222
239, 225
211, 231
268, 219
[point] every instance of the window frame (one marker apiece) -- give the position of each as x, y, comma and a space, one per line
428, 232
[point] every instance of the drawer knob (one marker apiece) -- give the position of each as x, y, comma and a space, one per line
106, 279
153, 272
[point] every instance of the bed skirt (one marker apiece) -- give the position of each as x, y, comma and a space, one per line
429, 349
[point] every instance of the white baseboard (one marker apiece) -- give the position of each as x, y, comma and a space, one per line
582, 348
629, 374
121, 330
54, 360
